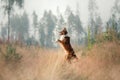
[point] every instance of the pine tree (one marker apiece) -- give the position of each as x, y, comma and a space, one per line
92, 7
8, 8
89, 38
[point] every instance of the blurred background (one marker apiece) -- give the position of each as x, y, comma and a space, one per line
38, 22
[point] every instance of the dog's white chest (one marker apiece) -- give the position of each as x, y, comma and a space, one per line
62, 37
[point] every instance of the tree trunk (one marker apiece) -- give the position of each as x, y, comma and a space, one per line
9, 21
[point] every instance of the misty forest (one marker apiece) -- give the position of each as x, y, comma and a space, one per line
29, 51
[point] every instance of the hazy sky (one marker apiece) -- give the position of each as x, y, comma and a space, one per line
40, 5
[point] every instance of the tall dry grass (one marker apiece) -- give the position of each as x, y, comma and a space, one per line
102, 62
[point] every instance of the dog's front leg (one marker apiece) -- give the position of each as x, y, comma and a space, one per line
59, 41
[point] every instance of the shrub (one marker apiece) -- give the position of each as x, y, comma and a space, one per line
11, 54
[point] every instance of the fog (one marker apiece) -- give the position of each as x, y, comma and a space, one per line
40, 5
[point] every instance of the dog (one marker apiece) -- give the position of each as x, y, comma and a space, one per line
64, 41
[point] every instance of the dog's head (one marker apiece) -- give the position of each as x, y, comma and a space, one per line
63, 32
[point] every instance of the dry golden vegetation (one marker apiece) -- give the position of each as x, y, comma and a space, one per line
102, 62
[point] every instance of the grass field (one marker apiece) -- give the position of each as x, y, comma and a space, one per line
102, 62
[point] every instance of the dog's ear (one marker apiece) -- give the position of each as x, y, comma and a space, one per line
65, 30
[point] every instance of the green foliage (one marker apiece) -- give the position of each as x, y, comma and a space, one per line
90, 41
118, 36
11, 54
107, 36
110, 35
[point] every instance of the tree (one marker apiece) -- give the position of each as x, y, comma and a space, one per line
41, 35
119, 25
112, 23
35, 19
119, 29
8, 7
116, 8
20, 26
89, 44
48, 23
92, 7
25, 25
67, 12
77, 9
115, 17
98, 25
75, 28
35, 22
4, 32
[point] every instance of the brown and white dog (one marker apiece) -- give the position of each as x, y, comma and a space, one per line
64, 41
